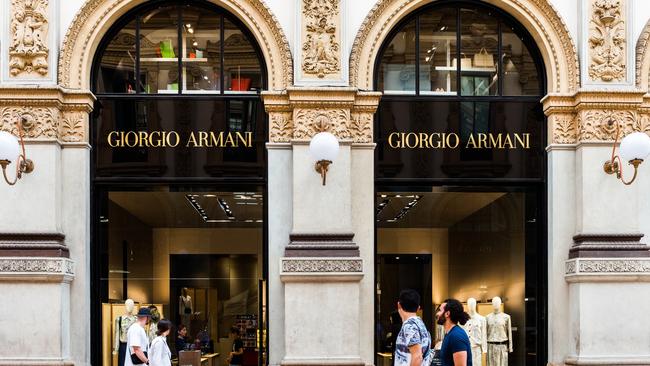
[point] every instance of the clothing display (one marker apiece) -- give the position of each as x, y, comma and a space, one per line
185, 310
122, 324
499, 338
477, 333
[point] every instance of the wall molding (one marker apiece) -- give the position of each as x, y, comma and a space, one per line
36, 269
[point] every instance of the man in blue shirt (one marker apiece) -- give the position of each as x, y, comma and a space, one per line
455, 350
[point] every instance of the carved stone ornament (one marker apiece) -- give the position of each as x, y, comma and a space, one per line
607, 41
309, 122
320, 48
281, 126
73, 126
564, 128
28, 50
30, 269
600, 125
608, 266
321, 265
38, 122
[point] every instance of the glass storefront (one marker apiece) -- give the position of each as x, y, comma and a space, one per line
460, 178
179, 184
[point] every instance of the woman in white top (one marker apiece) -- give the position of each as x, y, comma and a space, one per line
159, 353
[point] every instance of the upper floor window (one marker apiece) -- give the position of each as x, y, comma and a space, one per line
459, 51
180, 48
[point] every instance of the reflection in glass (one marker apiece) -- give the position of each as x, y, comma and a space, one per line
520, 74
201, 50
159, 51
242, 68
397, 71
172, 248
479, 52
438, 52
117, 67
447, 244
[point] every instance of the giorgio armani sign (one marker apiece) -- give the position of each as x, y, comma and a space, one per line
206, 139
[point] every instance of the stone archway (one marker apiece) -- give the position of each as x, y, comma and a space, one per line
96, 16
537, 16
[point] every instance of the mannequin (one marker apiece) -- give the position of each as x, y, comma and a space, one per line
185, 308
152, 327
499, 335
476, 328
122, 324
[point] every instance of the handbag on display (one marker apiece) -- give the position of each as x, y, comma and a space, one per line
483, 59
465, 62
167, 49
136, 360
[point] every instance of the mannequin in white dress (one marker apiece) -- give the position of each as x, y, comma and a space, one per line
499, 335
185, 308
122, 324
476, 328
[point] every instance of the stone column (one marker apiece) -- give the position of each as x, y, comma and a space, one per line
326, 267
43, 242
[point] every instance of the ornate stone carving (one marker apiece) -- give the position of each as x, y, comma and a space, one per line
38, 122
281, 127
73, 126
321, 265
320, 47
607, 41
607, 266
74, 63
600, 125
28, 50
564, 129
17, 265
543, 16
308, 122
361, 127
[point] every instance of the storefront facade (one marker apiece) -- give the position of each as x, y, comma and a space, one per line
172, 167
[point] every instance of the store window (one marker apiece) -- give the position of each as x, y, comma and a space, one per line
460, 178
179, 185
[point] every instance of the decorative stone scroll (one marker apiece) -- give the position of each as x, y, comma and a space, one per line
300, 113
46, 113
608, 266
28, 51
321, 41
607, 46
310, 265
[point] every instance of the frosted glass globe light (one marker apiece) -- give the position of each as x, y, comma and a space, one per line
635, 146
324, 146
9, 147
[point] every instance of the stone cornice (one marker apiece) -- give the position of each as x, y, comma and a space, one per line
40, 269
607, 270
297, 114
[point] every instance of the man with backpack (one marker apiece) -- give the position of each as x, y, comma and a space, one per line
413, 344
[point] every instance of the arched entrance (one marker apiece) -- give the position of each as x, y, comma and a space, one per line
460, 176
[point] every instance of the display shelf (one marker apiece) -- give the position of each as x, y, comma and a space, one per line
173, 59
470, 69
431, 92
240, 92
400, 92
195, 91
167, 91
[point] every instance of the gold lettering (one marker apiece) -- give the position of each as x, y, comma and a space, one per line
135, 139
423, 140
519, 139
390, 140
508, 141
244, 138
112, 142
218, 142
230, 140
482, 141
168, 139
143, 137
495, 143
203, 139
471, 141
456, 140
191, 140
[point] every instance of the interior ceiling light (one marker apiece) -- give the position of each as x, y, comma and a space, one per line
249, 198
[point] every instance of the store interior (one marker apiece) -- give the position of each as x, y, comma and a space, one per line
451, 244
197, 256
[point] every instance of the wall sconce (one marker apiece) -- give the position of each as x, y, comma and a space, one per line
323, 147
634, 148
10, 151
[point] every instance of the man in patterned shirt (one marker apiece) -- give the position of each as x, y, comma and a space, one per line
413, 341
